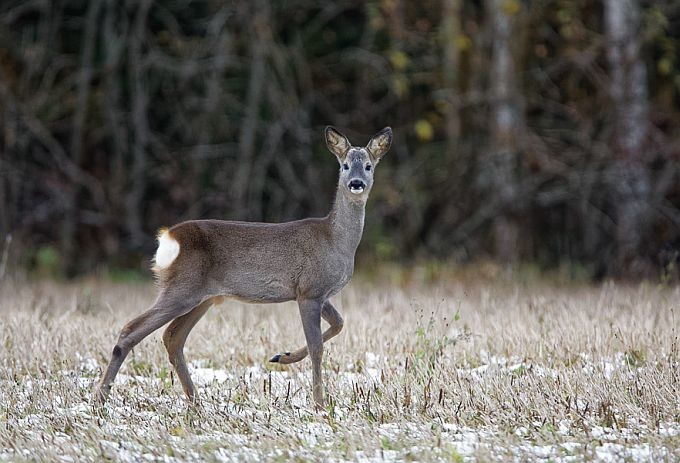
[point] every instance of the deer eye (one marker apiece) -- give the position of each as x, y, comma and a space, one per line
368, 167
345, 166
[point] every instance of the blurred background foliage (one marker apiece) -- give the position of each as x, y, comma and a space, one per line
535, 131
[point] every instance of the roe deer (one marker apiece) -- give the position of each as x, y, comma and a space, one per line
201, 262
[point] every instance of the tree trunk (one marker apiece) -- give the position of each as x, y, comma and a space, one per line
507, 121
251, 118
629, 177
69, 224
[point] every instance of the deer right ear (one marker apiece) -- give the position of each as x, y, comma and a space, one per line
337, 143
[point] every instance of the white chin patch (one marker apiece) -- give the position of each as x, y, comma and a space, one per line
168, 250
356, 191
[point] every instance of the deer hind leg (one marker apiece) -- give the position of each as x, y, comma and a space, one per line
168, 306
334, 319
175, 336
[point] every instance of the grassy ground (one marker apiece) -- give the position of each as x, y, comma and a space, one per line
452, 370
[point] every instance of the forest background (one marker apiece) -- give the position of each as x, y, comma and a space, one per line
542, 132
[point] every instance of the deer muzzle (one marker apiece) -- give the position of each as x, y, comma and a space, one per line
356, 186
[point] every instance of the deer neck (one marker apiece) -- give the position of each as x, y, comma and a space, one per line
346, 221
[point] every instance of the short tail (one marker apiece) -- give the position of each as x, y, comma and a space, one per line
167, 252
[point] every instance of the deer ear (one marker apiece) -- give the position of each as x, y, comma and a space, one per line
380, 143
337, 143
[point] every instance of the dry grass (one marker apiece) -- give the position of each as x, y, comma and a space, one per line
446, 371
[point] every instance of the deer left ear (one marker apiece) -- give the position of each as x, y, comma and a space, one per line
380, 143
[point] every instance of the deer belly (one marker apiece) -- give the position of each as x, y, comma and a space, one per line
257, 289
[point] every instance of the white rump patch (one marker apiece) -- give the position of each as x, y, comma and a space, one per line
168, 250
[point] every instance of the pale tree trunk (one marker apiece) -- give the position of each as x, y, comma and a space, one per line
629, 176
507, 121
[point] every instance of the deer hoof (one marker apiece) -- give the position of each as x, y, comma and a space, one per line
277, 357
99, 396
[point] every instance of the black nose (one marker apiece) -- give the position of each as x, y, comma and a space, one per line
356, 184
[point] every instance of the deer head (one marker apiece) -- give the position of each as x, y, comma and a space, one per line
357, 164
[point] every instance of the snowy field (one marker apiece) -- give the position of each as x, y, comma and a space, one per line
455, 370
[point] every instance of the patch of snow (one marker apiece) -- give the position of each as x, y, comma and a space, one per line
540, 451
468, 443
372, 360
669, 429
521, 431
205, 376
564, 427
571, 446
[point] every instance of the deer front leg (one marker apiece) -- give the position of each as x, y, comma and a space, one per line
310, 313
334, 319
